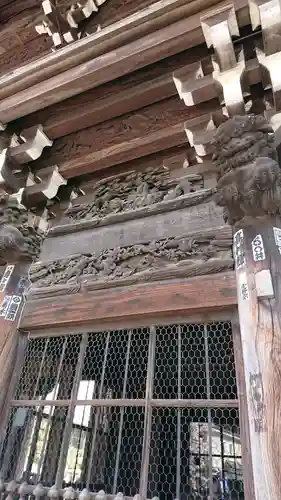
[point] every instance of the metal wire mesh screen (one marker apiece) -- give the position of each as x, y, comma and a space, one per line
149, 410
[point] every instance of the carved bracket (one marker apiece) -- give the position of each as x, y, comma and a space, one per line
65, 29
218, 30
267, 14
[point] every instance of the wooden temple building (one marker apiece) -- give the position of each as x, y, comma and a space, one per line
140, 249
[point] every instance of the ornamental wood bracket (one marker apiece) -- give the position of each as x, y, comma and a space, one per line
38, 193
218, 30
267, 14
200, 132
22, 149
15, 176
64, 30
30, 145
229, 75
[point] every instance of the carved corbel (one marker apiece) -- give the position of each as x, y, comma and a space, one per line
55, 25
34, 141
80, 11
218, 30
66, 29
43, 188
8, 166
45, 28
267, 14
194, 84
200, 132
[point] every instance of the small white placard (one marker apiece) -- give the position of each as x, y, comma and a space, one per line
6, 277
13, 308
264, 284
258, 248
238, 249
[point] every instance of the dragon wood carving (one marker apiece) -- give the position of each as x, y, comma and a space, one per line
249, 182
132, 191
123, 262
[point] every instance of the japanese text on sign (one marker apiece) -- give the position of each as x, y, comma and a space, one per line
258, 248
238, 249
5, 278
277, 237
13, 308
5, 304
244, 289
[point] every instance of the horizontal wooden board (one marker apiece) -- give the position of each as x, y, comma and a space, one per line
143, 132
150, 48
126, 304
128, 93
172, 224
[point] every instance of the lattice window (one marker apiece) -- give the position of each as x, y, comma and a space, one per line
149, 410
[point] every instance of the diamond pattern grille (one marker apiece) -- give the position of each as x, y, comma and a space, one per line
147, 410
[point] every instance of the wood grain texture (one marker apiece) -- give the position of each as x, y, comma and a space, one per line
68, 226
145, 21
20, 53
190, 220
134, 91
10, 341
135, 55
257, 250
248, 478
143, 132
137, 302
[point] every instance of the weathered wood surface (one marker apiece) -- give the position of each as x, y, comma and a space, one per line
194, 219
134, 91
141, 302
248, 479
147, 20
257, 249
67, 226
131, 136
135, 55
10, 344
89, 282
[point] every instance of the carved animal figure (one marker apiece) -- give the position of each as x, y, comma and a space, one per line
11, 243
250, 176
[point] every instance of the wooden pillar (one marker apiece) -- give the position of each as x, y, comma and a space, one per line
249, 189
12, 288
257, 250
19, 245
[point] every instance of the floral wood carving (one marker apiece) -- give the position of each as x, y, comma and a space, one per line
132, 191
18, 240
122, 262
249, 174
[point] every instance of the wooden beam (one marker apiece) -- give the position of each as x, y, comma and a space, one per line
147, 20
123, 139
134, 91
130, 303
135, 55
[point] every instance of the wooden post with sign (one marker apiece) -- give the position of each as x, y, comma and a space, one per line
249, 189
19, 245
12, 288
